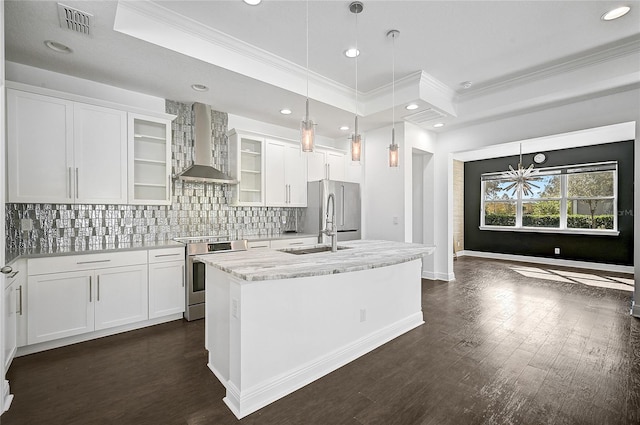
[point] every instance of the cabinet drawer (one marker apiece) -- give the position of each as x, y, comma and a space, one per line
258, 244
285, 243
66, 263
166, 254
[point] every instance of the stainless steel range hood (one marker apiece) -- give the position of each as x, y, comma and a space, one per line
202, 170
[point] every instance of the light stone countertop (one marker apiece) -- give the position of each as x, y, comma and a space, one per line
272, 264
12, 255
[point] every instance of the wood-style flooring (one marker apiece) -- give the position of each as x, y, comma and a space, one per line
496, 348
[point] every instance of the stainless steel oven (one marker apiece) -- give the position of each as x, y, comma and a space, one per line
195, 270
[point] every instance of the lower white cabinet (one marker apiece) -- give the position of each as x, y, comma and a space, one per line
13, 312
72, 303
288, 243
166, 282
121, 296
105, 291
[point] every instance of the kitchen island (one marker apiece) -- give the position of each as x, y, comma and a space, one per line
277, 320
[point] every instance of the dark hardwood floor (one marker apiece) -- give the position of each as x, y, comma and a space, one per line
496, 348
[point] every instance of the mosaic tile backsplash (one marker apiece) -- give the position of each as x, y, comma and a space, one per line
197, 209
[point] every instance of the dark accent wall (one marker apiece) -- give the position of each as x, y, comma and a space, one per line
592, 248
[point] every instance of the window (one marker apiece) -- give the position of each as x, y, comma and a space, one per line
575, 199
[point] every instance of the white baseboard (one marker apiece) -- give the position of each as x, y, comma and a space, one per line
243, 403
549, 261
48, 345
447, 277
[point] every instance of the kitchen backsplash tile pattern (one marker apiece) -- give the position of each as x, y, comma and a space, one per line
197, 209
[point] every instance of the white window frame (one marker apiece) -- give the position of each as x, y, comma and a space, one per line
563, 171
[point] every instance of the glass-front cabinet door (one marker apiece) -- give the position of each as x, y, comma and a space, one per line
149, 160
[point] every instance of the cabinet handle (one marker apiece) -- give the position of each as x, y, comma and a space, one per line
328, 171
259, 246
70, 183
167, 255
90, 289
183, 273
77, 186
20, 300
98, 278
14, 274
93, 261
296, 243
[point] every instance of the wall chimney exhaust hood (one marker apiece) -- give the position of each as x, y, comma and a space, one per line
201, 170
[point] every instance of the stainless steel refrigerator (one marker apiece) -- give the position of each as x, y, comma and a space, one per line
347, 197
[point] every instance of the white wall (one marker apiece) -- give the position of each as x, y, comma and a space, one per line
606, 110
52, 80
384, 190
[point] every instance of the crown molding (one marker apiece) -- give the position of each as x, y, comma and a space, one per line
154, 23
585, 59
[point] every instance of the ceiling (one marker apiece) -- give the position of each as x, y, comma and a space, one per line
519, 55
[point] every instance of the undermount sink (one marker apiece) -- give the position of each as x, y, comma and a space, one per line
311, 250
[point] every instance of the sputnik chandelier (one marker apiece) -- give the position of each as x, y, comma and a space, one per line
522, 178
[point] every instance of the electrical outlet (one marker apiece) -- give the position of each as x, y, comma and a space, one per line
363, 314
26, 225
234, 308
556, 251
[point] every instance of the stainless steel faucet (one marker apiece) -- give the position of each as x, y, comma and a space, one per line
330, 225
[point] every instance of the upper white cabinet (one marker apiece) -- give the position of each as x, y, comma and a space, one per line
149, 160
63, 148
326, 164
39, 148
286, 171
63, 151
99, 154
246, 163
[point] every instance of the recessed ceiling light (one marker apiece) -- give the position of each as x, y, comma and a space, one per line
252, 2
411, 106
285, 111
466, 84
615, 13
57, 47
344, 128
438, 125
199, 87
352, 53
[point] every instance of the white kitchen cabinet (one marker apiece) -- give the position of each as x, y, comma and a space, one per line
99, 154
258, 245
121, 296
166, 282
288, 243
326, 164
103, 290
149, 158
246, 164
286, 170
39, 148
13, 312
60, 305
64, 151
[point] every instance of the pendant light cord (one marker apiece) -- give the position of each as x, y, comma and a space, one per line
307, 54
357, 54
393, 89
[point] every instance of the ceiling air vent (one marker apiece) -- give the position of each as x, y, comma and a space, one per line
74, 19
425, 116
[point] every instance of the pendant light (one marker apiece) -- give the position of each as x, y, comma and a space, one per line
356, 141
393, 147
307, 127
522, 178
